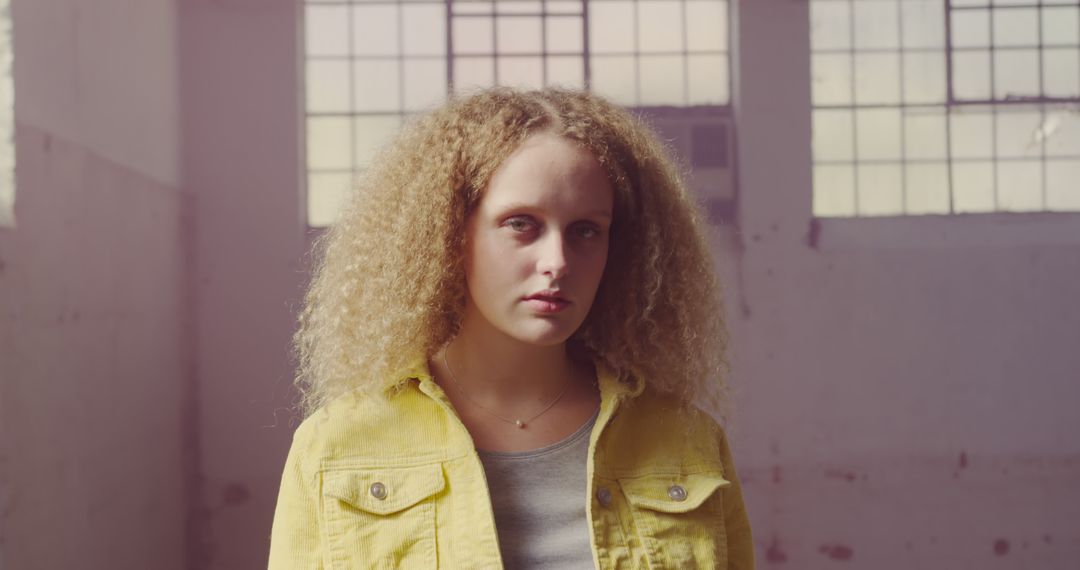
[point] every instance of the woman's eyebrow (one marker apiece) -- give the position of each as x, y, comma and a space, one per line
602, 213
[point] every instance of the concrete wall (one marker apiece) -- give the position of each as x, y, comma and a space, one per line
93, 357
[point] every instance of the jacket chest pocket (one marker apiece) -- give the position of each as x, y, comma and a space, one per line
679, 519
381, 518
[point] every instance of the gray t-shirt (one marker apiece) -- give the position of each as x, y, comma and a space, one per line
539, 501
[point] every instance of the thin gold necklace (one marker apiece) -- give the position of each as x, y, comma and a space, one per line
520, 423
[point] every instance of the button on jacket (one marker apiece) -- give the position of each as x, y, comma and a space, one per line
397, 483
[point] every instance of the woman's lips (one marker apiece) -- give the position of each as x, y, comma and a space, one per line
547, 304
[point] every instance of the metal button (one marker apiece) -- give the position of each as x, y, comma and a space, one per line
677, 493
603, 495
378, 490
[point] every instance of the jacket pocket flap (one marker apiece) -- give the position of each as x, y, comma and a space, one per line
672, 493
384, 491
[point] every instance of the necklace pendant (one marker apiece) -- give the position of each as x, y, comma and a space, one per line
520, 424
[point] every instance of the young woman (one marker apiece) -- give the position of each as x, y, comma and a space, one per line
503, 352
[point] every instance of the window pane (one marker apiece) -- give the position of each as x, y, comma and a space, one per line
326, 193
1016, 27
564, 35
1016, 74
972, 136
518, 36
615, 77
924, 23
326, 30
926, 188
1062, 191
326, 86
880, 190
329, 143
660, 27
973, 187
970, 28
372, 132
522, 72
1019, 186
830, 24
831, 79
834, 191
877, 133
1061, 26
1061, 131
925, 136
518, 7
424, 29
425, 83
877, 78
376, 86
662, 80
1061, 72
375, 30
611, 27
924, 78
473, 73
473, 36
568, 71
877, 24
706, 25
1016, 134
833, 134
971, 75
708, 80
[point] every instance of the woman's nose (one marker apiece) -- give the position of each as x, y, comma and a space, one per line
553, 262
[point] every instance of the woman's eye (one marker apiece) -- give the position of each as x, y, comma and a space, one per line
588, 231
519, 224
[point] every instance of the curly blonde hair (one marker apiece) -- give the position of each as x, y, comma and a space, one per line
389, 286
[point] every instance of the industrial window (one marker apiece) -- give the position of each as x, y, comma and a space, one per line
945, 106
7, 121
372, 64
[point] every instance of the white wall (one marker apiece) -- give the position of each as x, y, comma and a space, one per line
93, 322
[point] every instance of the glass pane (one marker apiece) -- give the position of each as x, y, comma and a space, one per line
970, 28
1061, 72
877, 134
425, 83
473, 73
708, 80
924, 78
660, 26
926, 188
326, 194
522, 72
565, 35
971, 75
326, 30
877, 78
518, 36
1016, 27
473, 36
326, 86
831, 79
880, 190
973, 187
1019, 186
662, 80
376, 86
830, 24
706, 26
972, 135
564, 7
1061, 26
568, 71
424, 29
375, 30
924, 23
611, 27
1062, 191
518, 7
877, 24
1061, 131
833, 135
834, 191
925, 136
1016, 74
329, 143
473, 7
1017, 134
372, 132
616, 78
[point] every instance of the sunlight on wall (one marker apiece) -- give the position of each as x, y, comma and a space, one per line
7, 121
936, 107
371, 65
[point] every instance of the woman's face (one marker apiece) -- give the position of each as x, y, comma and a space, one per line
537, 242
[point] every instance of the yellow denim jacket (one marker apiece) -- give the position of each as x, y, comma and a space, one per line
397, 483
